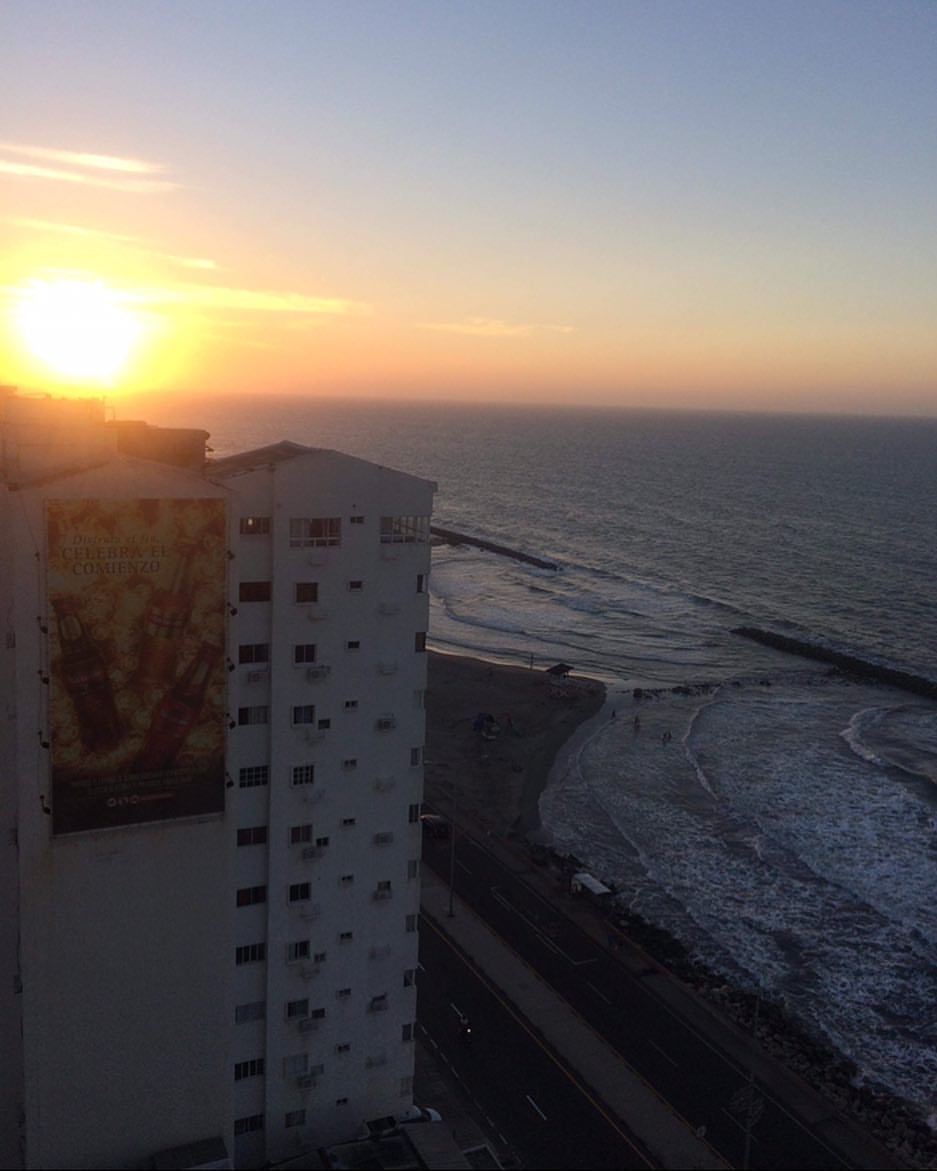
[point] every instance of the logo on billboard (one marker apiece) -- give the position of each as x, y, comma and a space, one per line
137, 600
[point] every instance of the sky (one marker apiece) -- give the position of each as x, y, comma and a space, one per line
724, 204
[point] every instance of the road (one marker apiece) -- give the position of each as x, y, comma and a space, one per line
528, 1099
703, 1084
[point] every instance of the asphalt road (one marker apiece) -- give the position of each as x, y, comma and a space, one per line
704, 1085
528, 1099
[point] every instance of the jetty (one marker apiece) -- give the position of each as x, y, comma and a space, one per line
450, 537
850, 664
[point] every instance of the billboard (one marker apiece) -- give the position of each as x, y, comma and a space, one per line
136, 625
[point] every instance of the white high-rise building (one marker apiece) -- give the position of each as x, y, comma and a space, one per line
213, 680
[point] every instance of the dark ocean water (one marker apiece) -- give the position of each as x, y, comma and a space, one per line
790, 836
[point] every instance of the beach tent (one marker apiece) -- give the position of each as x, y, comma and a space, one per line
561, 670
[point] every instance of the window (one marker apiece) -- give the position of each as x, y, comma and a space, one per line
404, 530
421, 583
248, 1125
300, 834
416, 755
406, 1033
304, 713
419, 641
257, 714
243, 1069
413, 814
384, 886
252, 526
385, 723
322, 842
346, 879
254, 775
353, 644
343, 1047
254, 652
342, 993
294, 1118
250, 953
319, 957
410, 923
409, 977
324, 725
350, 762
348, 822
306, 592
255, 835
255, 1011
356, 586
304, 774
356, 520
317, 531
341, 1101
297, 1009
346, 936
300, 892
297, 950
378, 1003
351, 705
254, 591
318, 1014
304, 652
413, 868
249, 895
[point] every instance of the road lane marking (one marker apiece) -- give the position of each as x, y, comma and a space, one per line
462, 866
536, 1107
600, 993
550, 1053
741, 1125
666, 1056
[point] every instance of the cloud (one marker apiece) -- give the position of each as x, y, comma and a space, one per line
490, 327
94, 170
68, 229
140, 245
251, 300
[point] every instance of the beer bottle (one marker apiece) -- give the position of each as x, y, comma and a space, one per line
177, 712
85, 678
164, 624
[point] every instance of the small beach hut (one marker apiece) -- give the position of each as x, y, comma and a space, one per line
559, 670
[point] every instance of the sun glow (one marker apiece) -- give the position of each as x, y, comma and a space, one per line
80, 330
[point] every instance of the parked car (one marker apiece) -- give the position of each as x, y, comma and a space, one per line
380, 1126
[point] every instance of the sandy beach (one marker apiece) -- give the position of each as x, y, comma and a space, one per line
497, 769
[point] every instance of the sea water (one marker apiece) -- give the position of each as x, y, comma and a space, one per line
788, 832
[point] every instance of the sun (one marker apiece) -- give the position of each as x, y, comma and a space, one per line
78, 329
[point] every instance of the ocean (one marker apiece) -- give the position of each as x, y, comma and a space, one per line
786, 834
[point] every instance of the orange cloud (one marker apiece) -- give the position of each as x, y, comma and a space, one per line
490, 327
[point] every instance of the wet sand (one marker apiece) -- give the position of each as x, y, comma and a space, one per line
497, 774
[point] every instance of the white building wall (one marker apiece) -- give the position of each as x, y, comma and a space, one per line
363, 1066
123, 931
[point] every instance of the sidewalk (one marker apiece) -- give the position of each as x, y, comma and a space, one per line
670, 1138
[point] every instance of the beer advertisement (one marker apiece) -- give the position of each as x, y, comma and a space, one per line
136, 623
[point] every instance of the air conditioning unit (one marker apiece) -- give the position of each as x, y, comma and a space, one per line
380, 895
312, 852
313, 796
386, 668
310, 911
388, 608
386, 724
384, 784
377, 1060
318, 672
313, 737
315, 614
309, 971
258, 675
383, 839
308, 1024
306, 1081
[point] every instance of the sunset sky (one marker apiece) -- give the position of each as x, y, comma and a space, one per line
722, 204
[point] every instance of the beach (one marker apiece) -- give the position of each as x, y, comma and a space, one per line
490, 775
496, 770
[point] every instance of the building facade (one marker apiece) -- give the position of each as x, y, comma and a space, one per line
213, 681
